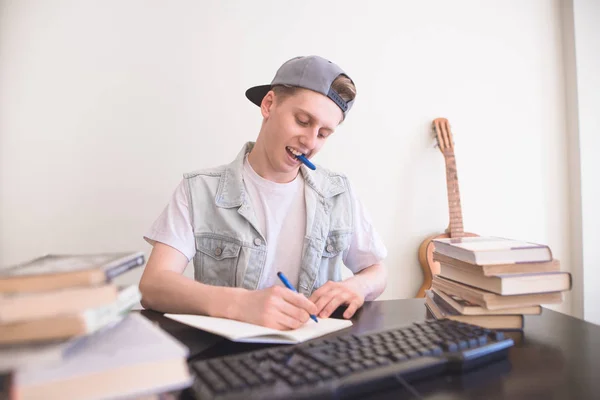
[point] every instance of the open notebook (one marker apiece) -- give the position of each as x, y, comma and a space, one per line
244, 332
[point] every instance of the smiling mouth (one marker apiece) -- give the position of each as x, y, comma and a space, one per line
295, 153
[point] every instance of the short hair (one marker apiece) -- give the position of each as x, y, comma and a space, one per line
342, 85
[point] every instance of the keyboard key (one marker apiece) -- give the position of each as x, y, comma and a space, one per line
296, 380
218, 386
311, 377
236, 383
451, 346
382, 360
283, 371
382, 353
423, 351
325, 373
342, 370
434, 338
267, 377
355, 354
355, 366
399, 357
251, 379
368, 353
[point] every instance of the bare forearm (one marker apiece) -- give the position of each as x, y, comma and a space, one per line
168, 291
370, 282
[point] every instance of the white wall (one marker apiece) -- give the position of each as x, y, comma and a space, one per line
586, 15
103, 105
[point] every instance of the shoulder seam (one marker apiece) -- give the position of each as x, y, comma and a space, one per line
217, 171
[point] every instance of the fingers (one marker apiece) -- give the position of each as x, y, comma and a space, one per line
323, 295
289, 310
279, 314
334, 294
325, 300
297, 300
319, 292
334, 303
351, 310
294, 312
286, 322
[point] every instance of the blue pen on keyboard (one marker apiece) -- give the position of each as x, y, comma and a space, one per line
289, 286
310, 165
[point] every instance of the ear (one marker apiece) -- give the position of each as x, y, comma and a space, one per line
267, 104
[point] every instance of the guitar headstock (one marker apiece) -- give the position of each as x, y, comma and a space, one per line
443, 135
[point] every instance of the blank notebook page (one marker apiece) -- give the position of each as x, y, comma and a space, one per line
244, 332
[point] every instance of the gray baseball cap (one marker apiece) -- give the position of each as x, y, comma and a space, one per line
309, 72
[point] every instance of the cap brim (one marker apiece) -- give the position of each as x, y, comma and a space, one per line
257, 93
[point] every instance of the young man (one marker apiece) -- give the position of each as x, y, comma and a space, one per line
266, 212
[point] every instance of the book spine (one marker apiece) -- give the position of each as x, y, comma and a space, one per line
444, 308
466, 294
122, 268
441, 302
430, 311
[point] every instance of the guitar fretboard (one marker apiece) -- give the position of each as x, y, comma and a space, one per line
454, 206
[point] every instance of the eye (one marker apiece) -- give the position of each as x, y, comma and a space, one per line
301, 122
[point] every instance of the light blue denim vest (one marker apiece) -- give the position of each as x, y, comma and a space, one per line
230, 249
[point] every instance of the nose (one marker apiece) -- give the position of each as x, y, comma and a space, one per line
309, 140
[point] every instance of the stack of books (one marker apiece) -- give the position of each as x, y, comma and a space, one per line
494, 282
57, 297
66, 328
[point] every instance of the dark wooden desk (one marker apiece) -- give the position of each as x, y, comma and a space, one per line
556, 357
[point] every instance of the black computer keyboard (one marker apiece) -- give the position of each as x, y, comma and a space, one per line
349, 365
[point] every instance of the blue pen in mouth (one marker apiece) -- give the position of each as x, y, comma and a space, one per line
306, 162
301, 157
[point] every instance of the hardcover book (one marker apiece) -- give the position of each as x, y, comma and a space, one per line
59, 271
488, 250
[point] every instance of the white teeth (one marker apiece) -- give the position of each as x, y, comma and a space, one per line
294, 151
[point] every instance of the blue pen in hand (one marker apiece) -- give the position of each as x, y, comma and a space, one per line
289, 286
310, 165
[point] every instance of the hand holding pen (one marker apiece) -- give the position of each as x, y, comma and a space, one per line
289, 286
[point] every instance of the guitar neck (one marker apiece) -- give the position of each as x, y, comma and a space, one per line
456, 221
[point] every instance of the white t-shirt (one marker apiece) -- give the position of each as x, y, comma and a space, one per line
280, 211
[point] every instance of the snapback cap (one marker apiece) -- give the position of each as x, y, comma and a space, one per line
308, 72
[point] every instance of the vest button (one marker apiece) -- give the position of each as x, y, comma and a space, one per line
257, 241
218, 251
330, 248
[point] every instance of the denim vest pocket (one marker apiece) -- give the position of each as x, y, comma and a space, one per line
336, 243
332, 257
216, 259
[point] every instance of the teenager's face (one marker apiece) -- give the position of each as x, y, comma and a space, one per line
300, 123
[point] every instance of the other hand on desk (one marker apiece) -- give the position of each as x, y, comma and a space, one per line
332, 294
